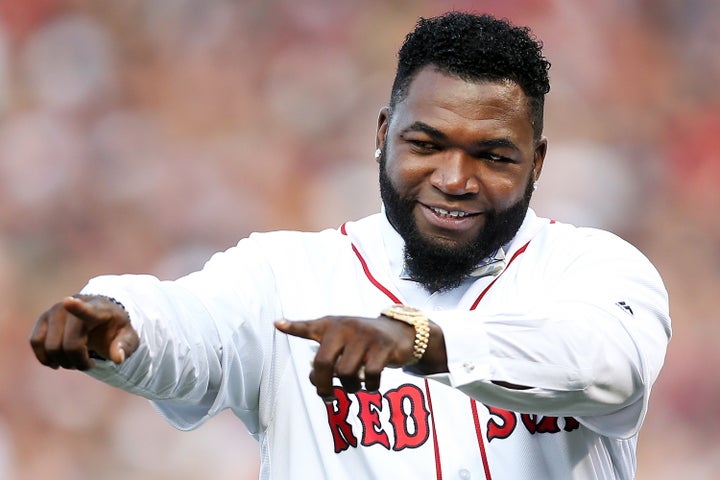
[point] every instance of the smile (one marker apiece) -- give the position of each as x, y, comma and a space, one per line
444, 220
450, 213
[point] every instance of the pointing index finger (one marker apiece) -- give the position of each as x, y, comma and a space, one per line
301, 328
78, 307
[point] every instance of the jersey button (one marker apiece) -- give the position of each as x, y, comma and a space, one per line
464, 474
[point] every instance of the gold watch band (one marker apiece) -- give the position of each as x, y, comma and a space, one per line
412, 316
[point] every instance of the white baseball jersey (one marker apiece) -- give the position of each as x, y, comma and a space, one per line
577, 314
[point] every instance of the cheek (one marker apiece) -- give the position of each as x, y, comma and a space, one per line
406, 176
503, 191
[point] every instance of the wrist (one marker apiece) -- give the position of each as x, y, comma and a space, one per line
435, 358
420, 323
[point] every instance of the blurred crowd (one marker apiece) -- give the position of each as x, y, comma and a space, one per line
141, 136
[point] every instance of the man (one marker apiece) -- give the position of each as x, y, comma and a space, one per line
532, 346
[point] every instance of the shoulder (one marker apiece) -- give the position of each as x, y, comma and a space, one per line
369, 225
589, 247
291, 243
574, 238
285, 238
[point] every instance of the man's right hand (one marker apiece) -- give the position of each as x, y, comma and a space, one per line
65, 335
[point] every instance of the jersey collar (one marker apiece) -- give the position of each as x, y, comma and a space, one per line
492, 265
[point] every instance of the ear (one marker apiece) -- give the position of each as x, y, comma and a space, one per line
539, 158
382, 127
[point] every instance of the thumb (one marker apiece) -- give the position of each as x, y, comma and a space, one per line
107, 324
124, 344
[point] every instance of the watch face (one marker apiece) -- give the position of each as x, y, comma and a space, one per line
411, 310
403, 313
401, 309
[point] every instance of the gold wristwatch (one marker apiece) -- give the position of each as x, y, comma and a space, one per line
412, 316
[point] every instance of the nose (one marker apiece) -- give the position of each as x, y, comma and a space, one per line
456, 174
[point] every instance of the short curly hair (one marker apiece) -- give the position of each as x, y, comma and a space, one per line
475, 48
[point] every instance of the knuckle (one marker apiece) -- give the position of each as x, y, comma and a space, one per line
372, 372
345, 372
324, 391
351, 385
53, 351
67, 365
315, 380
73, 345
76, 360
323, 363
37, 342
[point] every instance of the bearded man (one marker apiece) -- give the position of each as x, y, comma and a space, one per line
453, 334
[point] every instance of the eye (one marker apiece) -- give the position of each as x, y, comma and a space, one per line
422, 146
495, 158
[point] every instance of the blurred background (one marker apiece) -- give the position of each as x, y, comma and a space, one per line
141, 136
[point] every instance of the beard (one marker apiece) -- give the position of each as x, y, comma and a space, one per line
440, 266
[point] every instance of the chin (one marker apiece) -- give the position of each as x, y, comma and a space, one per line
446, 239
446, 243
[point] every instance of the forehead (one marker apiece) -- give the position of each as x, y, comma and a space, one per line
447, 102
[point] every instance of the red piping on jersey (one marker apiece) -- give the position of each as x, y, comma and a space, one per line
391, 296
481, 443
369, 275
482, 294
473, 402
438, 469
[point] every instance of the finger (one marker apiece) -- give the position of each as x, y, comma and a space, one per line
53, 340
322, 377
329, 399
123, 345
74, 345
37, 339
327, 394
310, 329
81, 308
374, 365
348, 366
323, 370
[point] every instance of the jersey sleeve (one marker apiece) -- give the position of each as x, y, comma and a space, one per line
205, 338
585, 338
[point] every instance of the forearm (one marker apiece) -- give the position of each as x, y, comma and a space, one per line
435, 359
575, 359
177, 358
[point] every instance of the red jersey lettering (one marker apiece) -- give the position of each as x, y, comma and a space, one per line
370, 406
571, 424
408, 416
337, 413
502, 428
538, 424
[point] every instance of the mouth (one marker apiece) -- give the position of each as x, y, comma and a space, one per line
446, 219
441, 212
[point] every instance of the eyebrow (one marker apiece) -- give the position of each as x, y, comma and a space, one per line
433, 132
425, 128
497, 143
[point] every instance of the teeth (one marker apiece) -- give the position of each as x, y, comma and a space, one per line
446, 213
